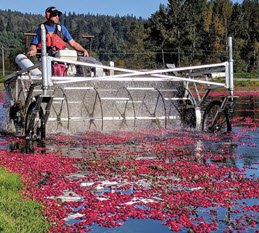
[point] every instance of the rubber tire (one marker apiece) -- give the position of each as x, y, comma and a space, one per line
215, 103
41, 131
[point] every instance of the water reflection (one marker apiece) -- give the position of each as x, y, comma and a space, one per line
27, 146
247, 106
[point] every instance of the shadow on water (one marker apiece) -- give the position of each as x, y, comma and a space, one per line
28, 146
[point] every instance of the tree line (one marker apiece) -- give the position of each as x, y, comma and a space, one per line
182, 32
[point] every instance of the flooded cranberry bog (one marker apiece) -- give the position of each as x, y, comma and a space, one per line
163, 180
137, 151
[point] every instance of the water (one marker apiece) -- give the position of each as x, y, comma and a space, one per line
148, 181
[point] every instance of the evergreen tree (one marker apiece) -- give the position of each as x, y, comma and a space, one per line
137, 55
182, 32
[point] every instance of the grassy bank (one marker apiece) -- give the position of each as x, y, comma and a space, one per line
246, 83
16, 214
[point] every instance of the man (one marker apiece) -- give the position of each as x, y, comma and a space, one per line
56, 35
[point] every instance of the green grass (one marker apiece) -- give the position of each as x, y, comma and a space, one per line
246, 83
17, 214
247, 75
246, 79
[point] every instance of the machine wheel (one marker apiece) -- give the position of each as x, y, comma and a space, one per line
59, 112
35, 127
124, 109
153, 106
92, 110
222, 123
184, 104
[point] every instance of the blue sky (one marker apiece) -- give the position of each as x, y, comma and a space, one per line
139, 8
143, 8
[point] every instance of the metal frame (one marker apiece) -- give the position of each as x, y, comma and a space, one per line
195, 99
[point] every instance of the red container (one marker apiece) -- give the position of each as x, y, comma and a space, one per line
59, 69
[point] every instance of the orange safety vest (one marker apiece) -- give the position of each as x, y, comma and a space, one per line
54, 41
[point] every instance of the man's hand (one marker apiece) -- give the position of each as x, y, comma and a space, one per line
79, 48
32, 53
86, 54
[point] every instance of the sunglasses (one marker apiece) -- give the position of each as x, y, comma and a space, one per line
54, 14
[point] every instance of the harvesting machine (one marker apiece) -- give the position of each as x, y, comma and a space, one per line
62, 93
